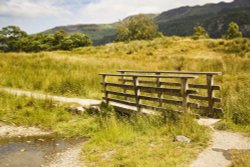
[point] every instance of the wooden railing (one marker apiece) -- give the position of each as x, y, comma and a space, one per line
209, 86
133, 91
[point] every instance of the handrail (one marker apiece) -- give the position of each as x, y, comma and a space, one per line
172, 72
147, 76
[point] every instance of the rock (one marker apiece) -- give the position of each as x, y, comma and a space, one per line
76, 109
182, 139
42, 140
28, 142
94, 109
22, 150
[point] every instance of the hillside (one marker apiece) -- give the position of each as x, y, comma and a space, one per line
179, 21
214, 17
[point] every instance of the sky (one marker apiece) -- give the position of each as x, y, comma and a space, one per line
35, 16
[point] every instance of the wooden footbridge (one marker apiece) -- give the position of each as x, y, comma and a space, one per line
147, 91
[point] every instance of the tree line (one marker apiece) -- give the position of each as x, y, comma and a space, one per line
13, 39
139, 27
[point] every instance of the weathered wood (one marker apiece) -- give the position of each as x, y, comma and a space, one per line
171, 72
132, 82
160, 94
137, 93
184, 94
128, 87
124, 82
197, 97
104, 79
153, 82
121, 94
207, 109
166, 91
157, 108
148, 76
122, 102
210, 83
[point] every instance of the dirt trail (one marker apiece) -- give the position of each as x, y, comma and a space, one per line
217, 155
82, 102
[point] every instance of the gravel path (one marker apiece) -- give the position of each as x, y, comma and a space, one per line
82, 102
217, 155
7, 131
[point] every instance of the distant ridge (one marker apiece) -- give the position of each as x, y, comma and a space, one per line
179, 21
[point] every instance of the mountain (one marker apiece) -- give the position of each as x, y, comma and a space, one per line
99, 33
180, 21
214, 17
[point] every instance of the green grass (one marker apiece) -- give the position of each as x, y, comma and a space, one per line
46, 115
136, 140
144, 141
126, 142
240, 158
74, 73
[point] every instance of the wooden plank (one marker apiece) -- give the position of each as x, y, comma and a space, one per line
206, 108
153, 82
124, 83
168, 91
148, 76
122, 101
214, 87
189, 91
197, 97
155, 99
137, 93
171, 72
121, 94
198, 86
157, 108
130, 87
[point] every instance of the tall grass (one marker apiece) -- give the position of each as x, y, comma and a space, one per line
46, 115
144, 141
75, 73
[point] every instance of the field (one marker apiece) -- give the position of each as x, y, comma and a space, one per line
114, 139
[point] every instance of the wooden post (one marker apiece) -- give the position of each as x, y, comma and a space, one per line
158, 84
210, 83
104, 79
137, 93
124, 82
184, 88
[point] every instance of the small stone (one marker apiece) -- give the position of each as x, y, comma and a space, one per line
57, 144
42, 140
182, 139
22, 150
28, 141
95, 109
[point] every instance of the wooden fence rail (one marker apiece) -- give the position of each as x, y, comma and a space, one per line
133, 83
208, 86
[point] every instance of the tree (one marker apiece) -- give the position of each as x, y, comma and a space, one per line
139, 27
200, 33
9, 37
233, 31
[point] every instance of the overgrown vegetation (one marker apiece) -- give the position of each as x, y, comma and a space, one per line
200, 33
138, 27
114, 137
13, 39
240, 158
74, 73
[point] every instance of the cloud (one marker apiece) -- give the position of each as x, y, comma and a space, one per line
31, 8
38, 15
113, 10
